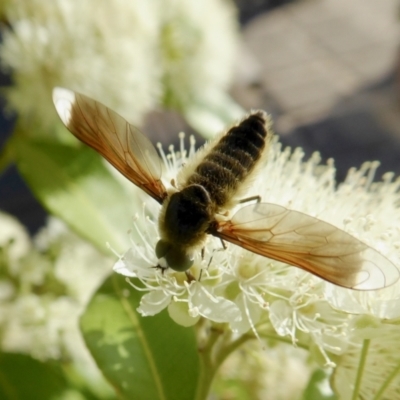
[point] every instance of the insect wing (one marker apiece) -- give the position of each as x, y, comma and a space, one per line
309, 243
119, 142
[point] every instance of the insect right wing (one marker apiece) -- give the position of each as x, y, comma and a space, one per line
316, 246
119, 142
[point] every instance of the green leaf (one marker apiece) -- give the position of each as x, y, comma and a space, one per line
318, 387
75, 185
146, 358
22, 378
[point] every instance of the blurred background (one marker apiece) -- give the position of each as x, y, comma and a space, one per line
327, 70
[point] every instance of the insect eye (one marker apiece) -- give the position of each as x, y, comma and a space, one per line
162, 248
176, 259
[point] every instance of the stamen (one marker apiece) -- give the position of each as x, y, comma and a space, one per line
120, 256
182, 146
253, 328
162, 153
173, 157
192, 149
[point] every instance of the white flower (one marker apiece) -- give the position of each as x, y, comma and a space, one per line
130, 55
197, 45
275, 373
14, 240
250, 292
104, 49
165, 289
36, 326
44, 293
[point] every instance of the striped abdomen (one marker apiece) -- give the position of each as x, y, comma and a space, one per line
232, 159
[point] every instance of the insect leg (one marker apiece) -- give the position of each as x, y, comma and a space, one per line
190, 277
223, 243
163, 269
224, 248
257, 198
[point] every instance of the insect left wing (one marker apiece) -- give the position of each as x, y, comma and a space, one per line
308, 243
119, 142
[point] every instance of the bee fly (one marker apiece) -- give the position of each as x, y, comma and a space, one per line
210, 185
207, 186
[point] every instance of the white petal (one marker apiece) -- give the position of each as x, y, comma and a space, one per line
343, 299
121, 268
281, 317
153, 302
383, 303
251, 314
212, 307
179, 312
133, 264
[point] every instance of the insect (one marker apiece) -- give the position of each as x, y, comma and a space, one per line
209, 185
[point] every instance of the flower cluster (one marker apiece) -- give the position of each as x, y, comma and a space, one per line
280, 374
45, 286
254, 294
131, 55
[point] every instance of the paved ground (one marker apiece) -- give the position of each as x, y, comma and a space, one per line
314, 53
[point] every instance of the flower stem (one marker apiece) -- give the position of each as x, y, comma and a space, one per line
361, 365
217, 348
283, 339
227, 350
207, 370
205, 378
